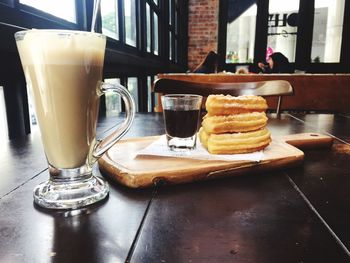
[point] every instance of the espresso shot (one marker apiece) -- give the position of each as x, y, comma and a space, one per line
181, 117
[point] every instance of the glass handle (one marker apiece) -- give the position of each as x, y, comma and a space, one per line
103, 145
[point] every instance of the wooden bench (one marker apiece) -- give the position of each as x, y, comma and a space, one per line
268, 88
312, 92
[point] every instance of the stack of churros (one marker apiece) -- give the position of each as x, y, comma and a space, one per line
234, 124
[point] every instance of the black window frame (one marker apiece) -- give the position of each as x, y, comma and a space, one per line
14, 13
153, 63
118, 53
121, 60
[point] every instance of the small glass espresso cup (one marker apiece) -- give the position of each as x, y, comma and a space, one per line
181, 117
63, 71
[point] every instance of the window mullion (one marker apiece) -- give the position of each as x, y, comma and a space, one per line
142, 27
304, 37
345, 51
261, 30
81, 14
121, 20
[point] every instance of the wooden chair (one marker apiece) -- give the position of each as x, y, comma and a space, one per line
278, 88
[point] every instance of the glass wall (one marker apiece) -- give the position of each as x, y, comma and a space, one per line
327, 31
312, 34
282, 27
156, 25
240, 39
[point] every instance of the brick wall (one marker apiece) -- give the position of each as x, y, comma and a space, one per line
203, 25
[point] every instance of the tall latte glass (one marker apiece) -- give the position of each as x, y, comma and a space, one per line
63, 70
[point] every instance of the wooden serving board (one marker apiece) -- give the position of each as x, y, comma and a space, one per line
121, 164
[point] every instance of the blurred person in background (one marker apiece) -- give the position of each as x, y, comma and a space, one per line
276, 63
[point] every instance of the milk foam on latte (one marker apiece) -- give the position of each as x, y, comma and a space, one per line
63, 72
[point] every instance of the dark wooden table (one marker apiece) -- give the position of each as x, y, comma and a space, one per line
292, 215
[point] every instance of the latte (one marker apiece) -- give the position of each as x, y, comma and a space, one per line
63, 78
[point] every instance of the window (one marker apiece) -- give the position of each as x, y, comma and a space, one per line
64, 9
148, 28
171, 47
3, 119
144, 34
32, 115
133, 88
171, 3
240, 39
155, 96
122, 21
152, 27
149, 94
173, 29
113, 100
155, 33
130, 22
109, 14
282, 27
327, 31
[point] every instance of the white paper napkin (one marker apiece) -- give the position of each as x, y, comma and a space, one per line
160, 148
